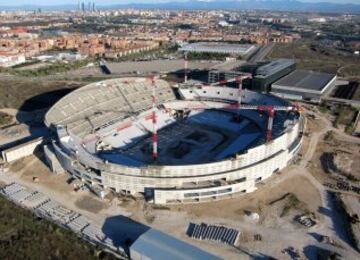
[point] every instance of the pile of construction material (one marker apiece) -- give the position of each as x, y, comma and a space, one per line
212, 232
44, 207
306, 221
343, 186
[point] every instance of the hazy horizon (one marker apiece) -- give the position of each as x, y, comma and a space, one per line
109, 2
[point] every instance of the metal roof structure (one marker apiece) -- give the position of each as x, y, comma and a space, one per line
307, 81
274, 67
154, 244
216, 47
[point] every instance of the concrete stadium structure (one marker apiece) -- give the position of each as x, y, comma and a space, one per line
102, 135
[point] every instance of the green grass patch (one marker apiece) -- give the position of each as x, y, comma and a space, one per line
5, 119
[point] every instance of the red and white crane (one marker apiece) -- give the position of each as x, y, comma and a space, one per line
270, 109
239, 80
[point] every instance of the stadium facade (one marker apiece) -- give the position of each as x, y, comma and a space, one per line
102, 135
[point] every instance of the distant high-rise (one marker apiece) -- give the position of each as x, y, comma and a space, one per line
83, 6
93, 7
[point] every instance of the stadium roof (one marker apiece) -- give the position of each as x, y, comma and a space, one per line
157, 245
273, 67
218, 47
307, 81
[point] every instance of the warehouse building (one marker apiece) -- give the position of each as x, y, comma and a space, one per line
304, 85
217, 47
222, 75
269, 73
219, 75
154, 244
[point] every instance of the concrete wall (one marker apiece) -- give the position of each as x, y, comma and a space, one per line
21, 151
52, 161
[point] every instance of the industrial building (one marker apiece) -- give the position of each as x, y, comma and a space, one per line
220, 75
216, 47
140, 136
157, 245
304, 85
267, 74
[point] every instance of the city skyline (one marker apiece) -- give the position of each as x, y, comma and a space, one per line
111, 2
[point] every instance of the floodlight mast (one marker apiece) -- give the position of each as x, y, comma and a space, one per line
154, 120
185, 67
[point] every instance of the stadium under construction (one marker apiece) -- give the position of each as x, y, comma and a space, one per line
185, 144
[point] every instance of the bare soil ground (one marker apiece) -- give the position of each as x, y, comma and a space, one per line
258, 201
88, 202
336, 156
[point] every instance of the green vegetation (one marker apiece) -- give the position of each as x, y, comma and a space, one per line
324, 108
163, 50
345, 115
24, 236
356, 95
289, 201
346, 29
206, 56
22, 65
313, 56
292, 202
58, 67
5, 119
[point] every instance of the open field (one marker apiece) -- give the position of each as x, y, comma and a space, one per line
30, 95
335, 157
310, 56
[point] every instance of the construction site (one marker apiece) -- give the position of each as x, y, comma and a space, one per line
230, 170
187, 144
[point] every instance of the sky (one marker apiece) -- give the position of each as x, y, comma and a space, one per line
104, 2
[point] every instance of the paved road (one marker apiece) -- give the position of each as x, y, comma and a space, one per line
262, 53
157, 66
228, 65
